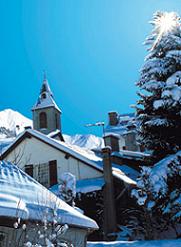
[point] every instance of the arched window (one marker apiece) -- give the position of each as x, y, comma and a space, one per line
43, 120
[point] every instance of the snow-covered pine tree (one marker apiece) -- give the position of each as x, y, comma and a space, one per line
159, 104
159, 194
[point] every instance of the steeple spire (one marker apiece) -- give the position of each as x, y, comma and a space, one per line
46, 113
45, 98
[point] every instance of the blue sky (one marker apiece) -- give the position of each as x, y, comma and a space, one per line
91, 49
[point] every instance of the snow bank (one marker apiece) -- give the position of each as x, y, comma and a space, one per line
159, 243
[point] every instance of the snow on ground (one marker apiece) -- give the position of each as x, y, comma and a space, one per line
155, 243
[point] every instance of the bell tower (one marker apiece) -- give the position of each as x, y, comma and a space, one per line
46, 113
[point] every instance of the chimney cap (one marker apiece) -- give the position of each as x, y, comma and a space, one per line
107, 150
111, 135
113, 112
27, 127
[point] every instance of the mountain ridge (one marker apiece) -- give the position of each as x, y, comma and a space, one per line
13, 123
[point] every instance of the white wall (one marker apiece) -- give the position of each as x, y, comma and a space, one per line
33, 151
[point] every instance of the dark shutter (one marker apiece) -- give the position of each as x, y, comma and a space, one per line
29, 170
53, 172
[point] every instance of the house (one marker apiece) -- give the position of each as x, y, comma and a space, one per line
27, 207
45, 159
121, 135
43, 154
123, 128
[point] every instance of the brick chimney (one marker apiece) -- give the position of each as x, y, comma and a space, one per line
113, 118
112, 140
109, 222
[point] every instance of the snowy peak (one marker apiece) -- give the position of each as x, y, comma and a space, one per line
12, 122
85, 141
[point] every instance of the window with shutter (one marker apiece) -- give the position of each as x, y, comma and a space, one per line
43, 174
29, 170
53, 172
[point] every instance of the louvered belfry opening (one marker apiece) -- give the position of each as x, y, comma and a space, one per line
43, 120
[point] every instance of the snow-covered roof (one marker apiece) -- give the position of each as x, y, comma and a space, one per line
45, 98
131, 155
5, 142
112, 134
54, 133
85, 155
84, 185
128, 171
118, 173
17, 199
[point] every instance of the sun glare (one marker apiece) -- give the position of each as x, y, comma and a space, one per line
167, 22
164, 22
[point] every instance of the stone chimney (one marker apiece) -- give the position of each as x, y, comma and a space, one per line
112, 140
113, 118
109, 221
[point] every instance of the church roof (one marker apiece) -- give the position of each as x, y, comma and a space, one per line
45, 98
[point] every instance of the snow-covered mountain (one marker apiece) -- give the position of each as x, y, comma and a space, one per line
84, 141
12, 122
